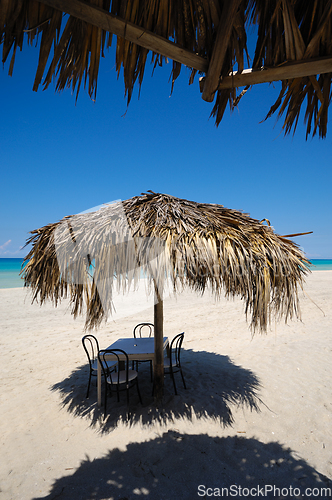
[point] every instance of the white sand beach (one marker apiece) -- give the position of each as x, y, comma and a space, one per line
257, 412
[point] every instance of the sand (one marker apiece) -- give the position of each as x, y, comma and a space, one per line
255, 418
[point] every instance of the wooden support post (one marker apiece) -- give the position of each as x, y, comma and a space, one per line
288, 71
219, 50
158, 377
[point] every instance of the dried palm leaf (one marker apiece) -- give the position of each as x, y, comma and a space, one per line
286, 30
195, 245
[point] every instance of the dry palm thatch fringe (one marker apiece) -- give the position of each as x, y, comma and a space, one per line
194, 244
294, 30
288, 30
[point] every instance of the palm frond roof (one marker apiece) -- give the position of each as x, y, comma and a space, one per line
194, 244
294, 45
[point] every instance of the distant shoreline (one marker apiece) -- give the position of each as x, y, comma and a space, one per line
11, 266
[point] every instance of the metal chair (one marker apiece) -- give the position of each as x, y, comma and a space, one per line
122, 377
172, 364
91, 347
148, 330
145, 327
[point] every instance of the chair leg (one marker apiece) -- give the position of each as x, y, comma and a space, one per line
172, 375
184, 384
87, 394
151, 375
139, 394
127, 391
105, 400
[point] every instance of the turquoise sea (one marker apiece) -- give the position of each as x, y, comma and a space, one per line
10, 268
9, 273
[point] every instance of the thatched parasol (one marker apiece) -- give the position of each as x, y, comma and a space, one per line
293, 45
165, 238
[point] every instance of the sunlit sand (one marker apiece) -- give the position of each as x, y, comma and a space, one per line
257, 410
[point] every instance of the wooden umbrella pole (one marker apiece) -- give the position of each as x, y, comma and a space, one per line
158, 379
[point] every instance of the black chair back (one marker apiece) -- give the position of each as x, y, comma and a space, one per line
174, 365
121, 356
175, 349
116, 379
91, 347
145, 328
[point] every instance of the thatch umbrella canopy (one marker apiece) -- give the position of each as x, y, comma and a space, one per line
293, 45
160, 236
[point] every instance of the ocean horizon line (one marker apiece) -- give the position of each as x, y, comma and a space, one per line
10, 268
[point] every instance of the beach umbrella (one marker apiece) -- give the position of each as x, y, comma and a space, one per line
166, 240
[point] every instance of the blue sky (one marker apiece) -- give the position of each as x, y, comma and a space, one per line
59, 157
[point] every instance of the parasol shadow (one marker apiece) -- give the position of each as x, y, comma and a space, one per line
175, 465
226, 384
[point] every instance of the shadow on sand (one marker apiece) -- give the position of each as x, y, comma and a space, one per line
214, 384
178, 466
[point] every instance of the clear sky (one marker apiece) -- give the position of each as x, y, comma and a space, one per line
59, 157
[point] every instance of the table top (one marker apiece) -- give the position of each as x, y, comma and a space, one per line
138, 346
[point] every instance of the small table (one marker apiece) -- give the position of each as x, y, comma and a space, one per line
136, 349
